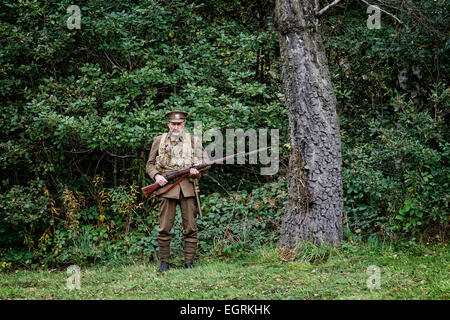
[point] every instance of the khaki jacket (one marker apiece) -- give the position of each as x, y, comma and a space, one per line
184, 186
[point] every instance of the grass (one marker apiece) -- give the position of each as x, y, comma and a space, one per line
310, 272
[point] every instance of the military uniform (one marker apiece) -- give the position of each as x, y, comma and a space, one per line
169, 153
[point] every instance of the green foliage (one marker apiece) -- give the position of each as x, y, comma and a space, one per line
398, 182
24, 215
391, 86
242, 221
120, 229
104, 89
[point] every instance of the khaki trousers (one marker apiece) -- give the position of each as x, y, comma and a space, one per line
167, 209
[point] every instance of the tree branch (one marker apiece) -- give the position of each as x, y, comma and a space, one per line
117, 156
335, 2
115, 65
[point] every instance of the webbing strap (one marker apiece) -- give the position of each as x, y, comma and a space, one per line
173, 185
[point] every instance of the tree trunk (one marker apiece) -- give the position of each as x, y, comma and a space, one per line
314, 209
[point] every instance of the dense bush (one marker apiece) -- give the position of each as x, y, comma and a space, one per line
119, 228
397, 183
242, 220
24, 213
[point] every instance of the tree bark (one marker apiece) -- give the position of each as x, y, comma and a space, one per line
314, 208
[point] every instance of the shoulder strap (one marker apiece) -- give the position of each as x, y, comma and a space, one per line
194, 146
191, 142
161, 142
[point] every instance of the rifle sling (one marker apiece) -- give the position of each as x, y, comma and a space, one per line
173, 185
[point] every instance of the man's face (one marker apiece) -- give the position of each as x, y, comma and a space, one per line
176, 128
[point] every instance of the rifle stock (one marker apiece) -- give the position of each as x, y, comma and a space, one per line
150, 189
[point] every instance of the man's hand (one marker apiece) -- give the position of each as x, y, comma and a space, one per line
193, 172
160, 180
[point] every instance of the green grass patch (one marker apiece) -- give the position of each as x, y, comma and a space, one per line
310, 272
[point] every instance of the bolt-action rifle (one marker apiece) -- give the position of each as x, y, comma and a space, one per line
180, 174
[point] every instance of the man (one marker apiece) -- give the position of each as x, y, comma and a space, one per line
171, 151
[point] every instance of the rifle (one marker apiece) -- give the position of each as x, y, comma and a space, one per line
171, 176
